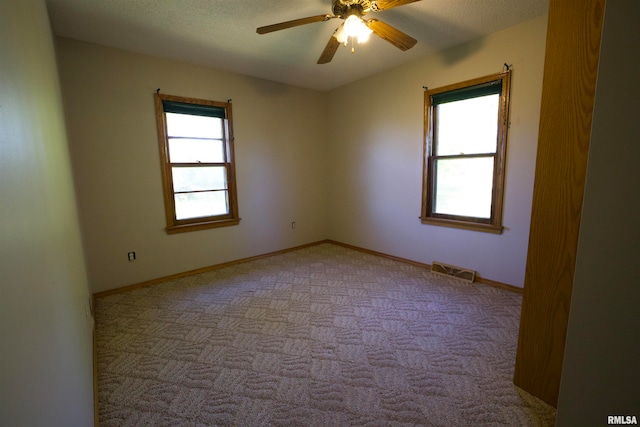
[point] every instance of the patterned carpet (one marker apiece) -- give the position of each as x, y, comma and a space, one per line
321, 336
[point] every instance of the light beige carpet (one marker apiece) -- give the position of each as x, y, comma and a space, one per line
322, 336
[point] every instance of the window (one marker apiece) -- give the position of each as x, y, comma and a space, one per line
196, 151
464, 153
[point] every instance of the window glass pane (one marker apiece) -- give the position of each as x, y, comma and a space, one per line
199, 178
469, 126
196, 151
186, 125
463, 187
198, 205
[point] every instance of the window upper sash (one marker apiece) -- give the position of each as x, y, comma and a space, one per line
484, 89
193, 109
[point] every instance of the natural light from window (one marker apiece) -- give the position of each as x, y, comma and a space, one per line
468, 127
197, 156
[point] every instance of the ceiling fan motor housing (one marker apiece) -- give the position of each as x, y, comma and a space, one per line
346, 8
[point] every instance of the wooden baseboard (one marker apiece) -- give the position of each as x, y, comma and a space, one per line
200, 270
269, 254
478, 279
500, 285
381, 254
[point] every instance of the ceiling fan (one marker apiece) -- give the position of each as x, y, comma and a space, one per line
354, 25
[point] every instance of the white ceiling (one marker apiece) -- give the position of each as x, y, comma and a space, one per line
222, 33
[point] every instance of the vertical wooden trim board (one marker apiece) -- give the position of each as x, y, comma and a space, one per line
570, 72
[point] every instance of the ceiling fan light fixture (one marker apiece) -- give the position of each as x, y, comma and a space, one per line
355, 27
352, 11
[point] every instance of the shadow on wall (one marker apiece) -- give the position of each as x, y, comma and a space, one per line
452, 56
425, 27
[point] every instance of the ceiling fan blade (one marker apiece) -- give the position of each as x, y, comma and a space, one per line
294, 23
394, 36
330, 49
388, 4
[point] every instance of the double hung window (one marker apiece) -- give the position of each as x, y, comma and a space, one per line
464, 153
198, 171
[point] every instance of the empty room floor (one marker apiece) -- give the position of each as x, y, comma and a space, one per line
319, 336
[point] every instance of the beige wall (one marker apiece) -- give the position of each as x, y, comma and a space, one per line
601, 373
45, 332
376, 156
345, 164
280, 150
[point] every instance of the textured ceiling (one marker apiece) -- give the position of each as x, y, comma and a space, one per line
222, 33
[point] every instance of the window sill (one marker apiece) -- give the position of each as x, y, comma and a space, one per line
475, 226
183, 228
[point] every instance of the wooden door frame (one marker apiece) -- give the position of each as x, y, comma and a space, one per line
570, 73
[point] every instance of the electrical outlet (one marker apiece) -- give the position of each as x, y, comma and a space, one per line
131, 256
